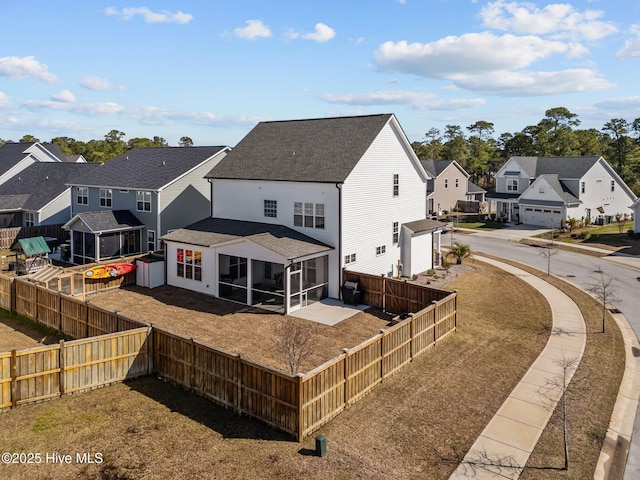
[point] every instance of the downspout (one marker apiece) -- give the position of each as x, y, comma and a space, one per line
210, 197
158, 224
339, 187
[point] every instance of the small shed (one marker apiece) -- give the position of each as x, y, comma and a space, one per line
32, 254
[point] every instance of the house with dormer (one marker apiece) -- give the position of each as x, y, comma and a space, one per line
124, 205
546, 191
297, 201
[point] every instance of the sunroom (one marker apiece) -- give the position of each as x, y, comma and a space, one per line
263, 265
97, 236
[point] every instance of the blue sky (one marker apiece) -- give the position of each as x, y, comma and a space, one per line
211, 70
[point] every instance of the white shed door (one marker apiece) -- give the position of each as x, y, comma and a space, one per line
543, 217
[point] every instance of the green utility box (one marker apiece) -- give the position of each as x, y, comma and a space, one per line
321, 445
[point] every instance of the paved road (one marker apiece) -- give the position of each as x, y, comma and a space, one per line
580, 269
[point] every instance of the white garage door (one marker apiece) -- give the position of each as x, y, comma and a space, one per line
543, 217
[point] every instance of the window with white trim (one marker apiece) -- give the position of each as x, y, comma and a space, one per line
396, 232
457, 182
151, 240
271, 208
446, 183
583, 187
396, 184
308, 215
106, 197
512, 184
189, 264
381, 250
143, 201
349, 259
613, 185
82, 197
29, 219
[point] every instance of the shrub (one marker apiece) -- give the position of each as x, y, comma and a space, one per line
584, 235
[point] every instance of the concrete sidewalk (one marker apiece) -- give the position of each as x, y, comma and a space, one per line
503, 448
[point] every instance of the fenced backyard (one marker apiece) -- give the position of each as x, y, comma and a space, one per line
296, 404
9, 235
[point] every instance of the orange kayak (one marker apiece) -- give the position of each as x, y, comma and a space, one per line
109, 271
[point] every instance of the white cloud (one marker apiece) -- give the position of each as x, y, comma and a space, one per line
631, 48
64, 96
106, 108
92, 82
4, 100
520, 84
149, 16
625, 103
416, 100
254, 29
25, 67
466, 54
557, 20
322, 33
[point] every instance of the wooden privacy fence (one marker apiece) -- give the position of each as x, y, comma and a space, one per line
70, 315
41, 373
9, 235
7, 293
391, 295
298, 405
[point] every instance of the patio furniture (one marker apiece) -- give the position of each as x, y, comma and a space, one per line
351, 294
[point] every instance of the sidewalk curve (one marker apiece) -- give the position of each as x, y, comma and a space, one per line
503, 448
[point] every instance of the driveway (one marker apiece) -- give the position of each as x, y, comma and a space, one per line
579, 269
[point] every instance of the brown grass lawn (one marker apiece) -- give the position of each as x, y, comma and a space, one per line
16, 332
415, 425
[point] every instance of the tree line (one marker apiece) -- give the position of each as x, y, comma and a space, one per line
111, 146
478, 150
482, 154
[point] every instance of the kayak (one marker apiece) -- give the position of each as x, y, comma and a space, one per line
109, 271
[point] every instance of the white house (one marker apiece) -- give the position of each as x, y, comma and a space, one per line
635, 208
295, 202
546, 191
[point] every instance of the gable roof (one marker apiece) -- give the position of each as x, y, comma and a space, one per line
321, 150
106, 221
40, 183
282, 240
436, 167
148, 167
558, 187
564, 167
13, 153
473, 188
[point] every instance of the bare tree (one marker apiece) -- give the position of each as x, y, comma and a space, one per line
548, 252
603, 288
294, 338
556, 389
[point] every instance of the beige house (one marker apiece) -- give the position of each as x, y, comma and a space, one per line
450, 187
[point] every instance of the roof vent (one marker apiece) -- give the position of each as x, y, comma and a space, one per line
47, 177
163, 163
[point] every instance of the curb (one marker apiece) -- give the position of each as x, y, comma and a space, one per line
615, 449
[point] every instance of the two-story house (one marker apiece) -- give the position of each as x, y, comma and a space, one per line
546, 191
15, 157
450, 188
295, 202
39, 194
127, 203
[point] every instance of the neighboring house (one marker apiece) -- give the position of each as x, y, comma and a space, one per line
15, 157
297, 201
546, 191
39, 194
127, 203
449, 187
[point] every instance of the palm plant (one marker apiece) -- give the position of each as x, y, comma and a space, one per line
459, 251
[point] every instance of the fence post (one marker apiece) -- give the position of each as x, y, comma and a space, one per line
14, 380
61, 361
59, 311
86, 318
412, 337
382, 350
192, 379
346, 377
150, 349
12, 291
239, 385
300, 406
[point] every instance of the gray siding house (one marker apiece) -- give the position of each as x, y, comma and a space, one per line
127, 203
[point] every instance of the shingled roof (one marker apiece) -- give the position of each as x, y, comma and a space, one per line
436, 167
12, 153
280, 239
315, 150
564, 167
148, 167
106, 221
40, 183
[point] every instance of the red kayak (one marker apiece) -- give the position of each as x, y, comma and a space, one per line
109, 271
